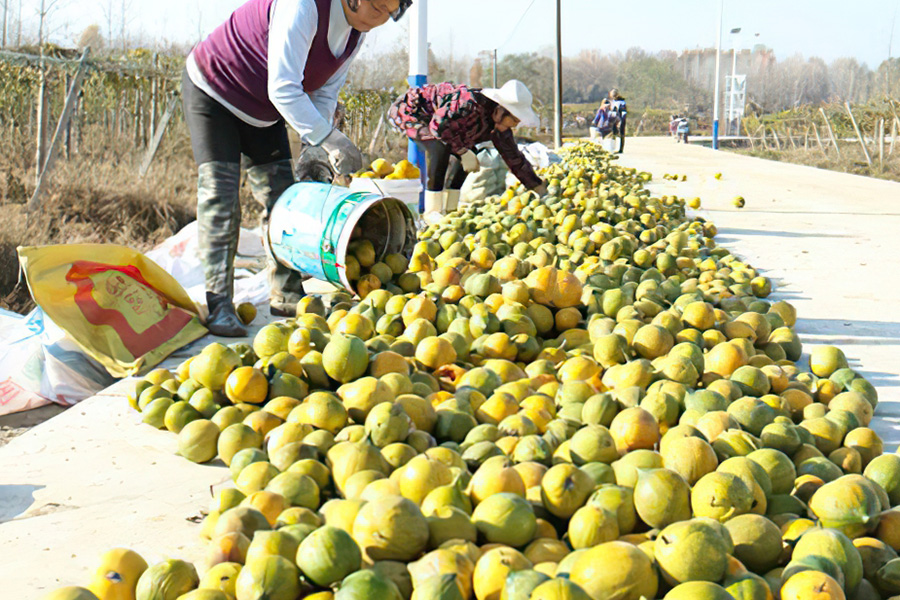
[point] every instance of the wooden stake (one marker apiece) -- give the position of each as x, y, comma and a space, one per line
67, 140
34, 203
880, 144
157, 136
818, 139
376, 135
862, 141
749, 135
41, 141
830, 132
777, 141
154, 94
893, 136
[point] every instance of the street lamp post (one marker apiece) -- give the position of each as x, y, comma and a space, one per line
715, 131
733, 91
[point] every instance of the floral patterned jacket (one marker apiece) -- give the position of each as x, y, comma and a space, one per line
461, 118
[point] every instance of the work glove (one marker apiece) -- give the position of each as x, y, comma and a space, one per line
470, 162
541, 190
344, 156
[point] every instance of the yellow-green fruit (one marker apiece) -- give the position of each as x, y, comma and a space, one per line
847, 504
812, 585
721, 496
197, 441
757, 542
272, 578
213, 365
223, 577
615, 570
834, 545
592, 525
345, 358
117, 574
564, 488
235, 438
825, 360
693, 550
661, 497
167, 581
698, 590
505, 518
559, 589
390, 528
327, 555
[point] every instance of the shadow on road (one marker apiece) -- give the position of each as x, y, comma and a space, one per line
845, 331
15, 499
726, 231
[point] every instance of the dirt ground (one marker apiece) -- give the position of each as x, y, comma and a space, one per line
18, 423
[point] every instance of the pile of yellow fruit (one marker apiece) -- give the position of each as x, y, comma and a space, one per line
574, 397
383, 169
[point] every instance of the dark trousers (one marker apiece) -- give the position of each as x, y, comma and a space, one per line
444, 168
217, 135
619, 130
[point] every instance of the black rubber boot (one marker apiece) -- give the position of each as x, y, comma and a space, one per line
218, 223
267, 183
222, 319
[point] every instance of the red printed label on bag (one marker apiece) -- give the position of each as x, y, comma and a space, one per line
121, 298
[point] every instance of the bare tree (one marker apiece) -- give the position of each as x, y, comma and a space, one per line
5, 22
124, 21
109, 17
45, 12
91, 38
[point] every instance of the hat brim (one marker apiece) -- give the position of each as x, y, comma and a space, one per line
525, 114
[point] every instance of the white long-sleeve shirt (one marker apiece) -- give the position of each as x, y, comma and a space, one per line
292, 27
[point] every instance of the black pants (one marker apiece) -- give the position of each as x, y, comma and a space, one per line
217, 135
619, 130
444, 168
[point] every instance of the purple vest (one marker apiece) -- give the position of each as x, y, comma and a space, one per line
234, 58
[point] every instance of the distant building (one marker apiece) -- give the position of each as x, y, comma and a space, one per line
699, 68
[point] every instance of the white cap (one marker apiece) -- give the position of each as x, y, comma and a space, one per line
515, 97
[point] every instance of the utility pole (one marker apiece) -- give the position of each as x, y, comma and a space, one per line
715, 131
728, 129
557, 87
495, 67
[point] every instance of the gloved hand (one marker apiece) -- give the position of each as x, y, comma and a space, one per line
541, 190
344, 156
470, 162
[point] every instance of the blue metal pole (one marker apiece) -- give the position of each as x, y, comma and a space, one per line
414, 153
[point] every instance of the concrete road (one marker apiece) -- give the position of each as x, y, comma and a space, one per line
830, 242
94, 478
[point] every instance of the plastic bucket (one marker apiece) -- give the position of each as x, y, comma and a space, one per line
405, 190
595, 133
312, 224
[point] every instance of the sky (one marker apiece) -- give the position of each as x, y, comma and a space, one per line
824, 28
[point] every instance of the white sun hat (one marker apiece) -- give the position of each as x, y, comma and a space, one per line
515, 97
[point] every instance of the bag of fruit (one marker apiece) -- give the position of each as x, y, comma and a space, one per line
120, 307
